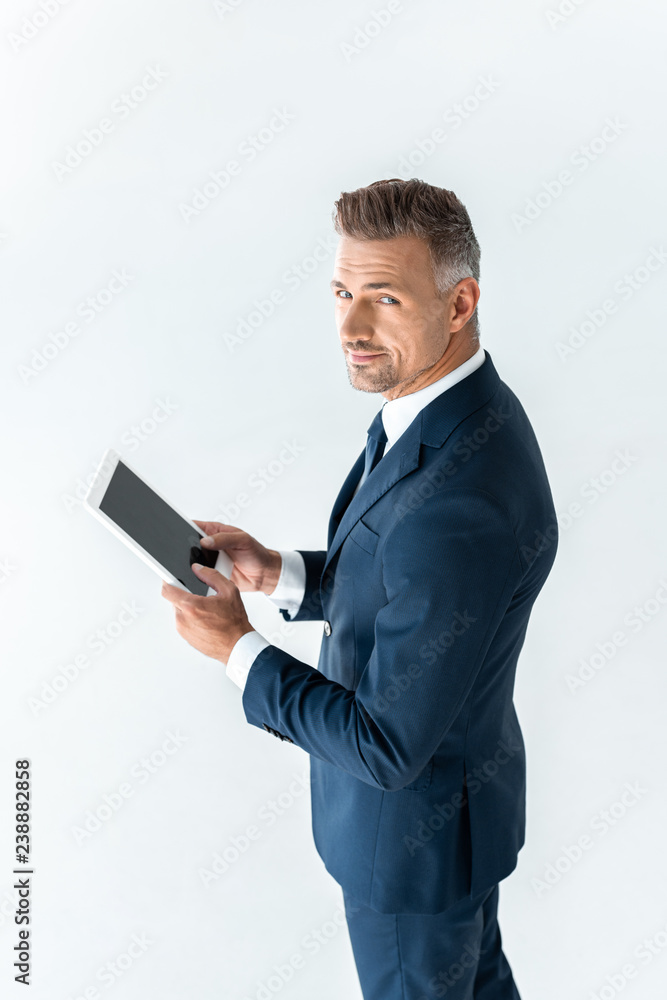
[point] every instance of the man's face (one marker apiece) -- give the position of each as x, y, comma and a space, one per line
401, 319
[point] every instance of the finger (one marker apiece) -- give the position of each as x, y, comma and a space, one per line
212, 526
209, 526
210, 576
175, 595
228, 538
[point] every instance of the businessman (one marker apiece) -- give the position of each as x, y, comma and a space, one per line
439, 542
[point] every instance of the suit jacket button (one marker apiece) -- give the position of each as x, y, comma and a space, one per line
327, 628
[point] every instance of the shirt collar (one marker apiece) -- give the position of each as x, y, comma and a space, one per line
398, 414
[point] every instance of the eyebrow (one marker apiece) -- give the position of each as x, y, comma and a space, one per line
369, 285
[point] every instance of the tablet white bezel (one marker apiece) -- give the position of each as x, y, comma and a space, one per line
98, 487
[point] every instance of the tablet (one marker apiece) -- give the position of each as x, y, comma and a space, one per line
151, 526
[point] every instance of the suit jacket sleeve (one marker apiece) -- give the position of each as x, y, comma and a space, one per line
450, 568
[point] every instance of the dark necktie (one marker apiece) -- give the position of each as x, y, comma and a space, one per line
375, 443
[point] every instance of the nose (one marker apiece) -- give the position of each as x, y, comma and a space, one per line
355, 325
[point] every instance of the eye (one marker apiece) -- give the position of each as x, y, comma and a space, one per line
342, 292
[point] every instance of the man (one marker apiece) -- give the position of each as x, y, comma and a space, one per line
440, 539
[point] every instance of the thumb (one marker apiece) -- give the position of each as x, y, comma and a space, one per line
209, 576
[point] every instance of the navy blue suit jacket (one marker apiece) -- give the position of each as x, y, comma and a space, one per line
425, 590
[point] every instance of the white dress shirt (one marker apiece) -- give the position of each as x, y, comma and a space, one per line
397, 415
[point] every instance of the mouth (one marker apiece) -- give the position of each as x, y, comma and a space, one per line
362, 359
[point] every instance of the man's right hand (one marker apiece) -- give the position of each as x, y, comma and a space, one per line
255, 567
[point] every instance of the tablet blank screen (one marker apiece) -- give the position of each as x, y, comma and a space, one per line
159, 530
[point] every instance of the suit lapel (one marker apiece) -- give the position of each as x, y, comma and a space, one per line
345, 495
401, 459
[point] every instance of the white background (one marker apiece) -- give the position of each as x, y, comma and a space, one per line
168, 337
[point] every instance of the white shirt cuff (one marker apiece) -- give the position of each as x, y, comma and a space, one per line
243, 656
291, 586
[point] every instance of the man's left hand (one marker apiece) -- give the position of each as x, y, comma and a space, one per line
214, 624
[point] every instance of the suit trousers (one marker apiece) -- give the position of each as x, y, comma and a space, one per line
456, 954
